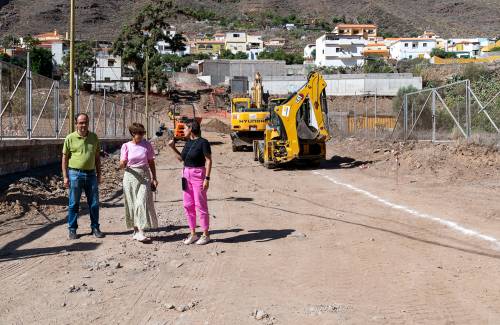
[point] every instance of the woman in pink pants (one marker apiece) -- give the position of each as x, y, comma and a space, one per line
197, 158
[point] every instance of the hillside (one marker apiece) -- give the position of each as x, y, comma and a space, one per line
103, 19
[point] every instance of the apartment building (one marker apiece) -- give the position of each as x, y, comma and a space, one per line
333, 50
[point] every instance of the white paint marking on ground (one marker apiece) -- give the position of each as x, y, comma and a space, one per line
450, 224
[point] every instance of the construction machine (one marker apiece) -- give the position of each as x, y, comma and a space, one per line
298, 127
181, 114
249, 117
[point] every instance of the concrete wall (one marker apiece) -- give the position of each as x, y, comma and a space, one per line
222, 70
346, 84
22, 155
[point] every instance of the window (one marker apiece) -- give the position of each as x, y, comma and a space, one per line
406, 44
236, 35
111, 63
107, 79
337, 49
410, 56
424, 44
414, 45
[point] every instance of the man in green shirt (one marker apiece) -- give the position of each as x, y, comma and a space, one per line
81, 169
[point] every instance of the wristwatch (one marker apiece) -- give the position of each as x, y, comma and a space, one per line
207, 178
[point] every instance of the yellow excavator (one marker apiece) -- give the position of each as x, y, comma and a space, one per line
249, 116
298, 127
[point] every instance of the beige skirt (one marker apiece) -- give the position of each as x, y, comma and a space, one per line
139, 207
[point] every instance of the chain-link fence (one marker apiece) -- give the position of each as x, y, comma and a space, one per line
33, 106
366, 115
448, 113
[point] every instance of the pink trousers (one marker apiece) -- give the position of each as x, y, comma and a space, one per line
195, 198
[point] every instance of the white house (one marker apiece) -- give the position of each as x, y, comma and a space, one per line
109, 73
469, 47
309, 51
255, 46
340, 50
411, 48
164, 47
236, 42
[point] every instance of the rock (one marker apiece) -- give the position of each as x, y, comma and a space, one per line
117, 265
110, 273
260, 314
73, 288
63, 304
182, 308
90, 289
376, 151
86, 277
169, 306
34, 203
298, 235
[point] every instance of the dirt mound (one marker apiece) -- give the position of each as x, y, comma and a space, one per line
451, 162
39, 197
216, 125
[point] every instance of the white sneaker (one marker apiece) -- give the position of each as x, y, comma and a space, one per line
203, 240
140, 237
191, 239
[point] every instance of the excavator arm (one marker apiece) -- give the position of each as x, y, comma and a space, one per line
299, 126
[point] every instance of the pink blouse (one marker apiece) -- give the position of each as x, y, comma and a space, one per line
137, 155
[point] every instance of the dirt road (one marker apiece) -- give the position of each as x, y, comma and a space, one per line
337, 245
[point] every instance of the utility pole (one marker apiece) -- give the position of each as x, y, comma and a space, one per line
72, 67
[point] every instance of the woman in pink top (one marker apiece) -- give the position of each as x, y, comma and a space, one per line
137, 158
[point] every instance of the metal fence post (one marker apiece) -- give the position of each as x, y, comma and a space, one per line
405, 116
375, 113
77, 94
433, 116
105, 117
468, 111
56, 108
92, 112
114, 119
28, 95
124, 116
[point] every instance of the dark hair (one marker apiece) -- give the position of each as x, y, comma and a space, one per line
80, 114
195, 128
135, 128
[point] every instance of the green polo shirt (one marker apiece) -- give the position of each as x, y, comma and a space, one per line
81, 150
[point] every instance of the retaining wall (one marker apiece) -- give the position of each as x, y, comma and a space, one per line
346, 84
22, 155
